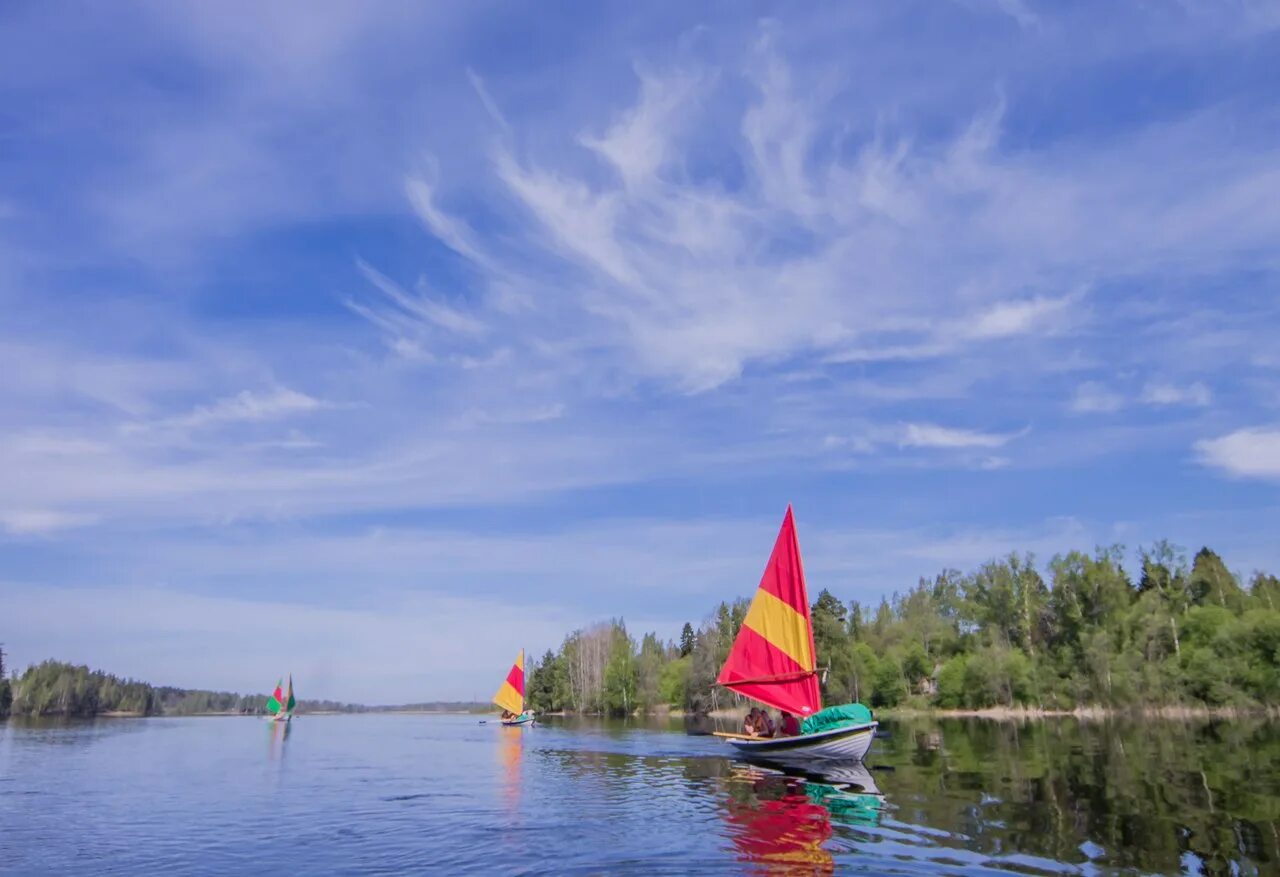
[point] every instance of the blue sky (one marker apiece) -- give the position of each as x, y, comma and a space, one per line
376, 341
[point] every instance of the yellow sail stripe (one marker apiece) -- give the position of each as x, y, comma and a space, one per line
782, 626
509, 699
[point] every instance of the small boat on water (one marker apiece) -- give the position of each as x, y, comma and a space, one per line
510, 696
280, 705
773, 661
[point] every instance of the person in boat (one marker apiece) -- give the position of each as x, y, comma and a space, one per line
750, 726
788, 726
764, 724
507, 714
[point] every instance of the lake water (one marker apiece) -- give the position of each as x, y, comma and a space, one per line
386, 794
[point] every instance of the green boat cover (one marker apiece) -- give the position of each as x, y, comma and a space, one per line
836, 717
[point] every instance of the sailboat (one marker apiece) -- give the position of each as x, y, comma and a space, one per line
773, 661
280, 705
510, 696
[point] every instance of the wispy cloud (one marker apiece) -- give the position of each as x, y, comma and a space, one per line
1092, 397
638, 144
1008, 319
246, 406
452, 232
702, 279
35, 522
927, 435
408, 311
1095, 397
1246, 453
1019, 11
486, 100
127, 383
1005, 320
1158, 393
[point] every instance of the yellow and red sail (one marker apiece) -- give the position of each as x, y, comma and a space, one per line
511, 695
773, 659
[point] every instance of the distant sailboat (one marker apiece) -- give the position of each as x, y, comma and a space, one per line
280, 705
510, 695
773, 661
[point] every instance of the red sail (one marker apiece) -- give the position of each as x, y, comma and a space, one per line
773, 659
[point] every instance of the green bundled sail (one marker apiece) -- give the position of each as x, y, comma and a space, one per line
836, 717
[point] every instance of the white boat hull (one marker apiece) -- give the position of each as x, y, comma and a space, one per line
525, 718
840, 744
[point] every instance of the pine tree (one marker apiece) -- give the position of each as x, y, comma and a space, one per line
686, 639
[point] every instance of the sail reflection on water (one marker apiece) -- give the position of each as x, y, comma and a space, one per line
278, 733
775, 826
511, 757
782, 824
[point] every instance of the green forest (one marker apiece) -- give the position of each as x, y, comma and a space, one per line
1080, 632
54, 688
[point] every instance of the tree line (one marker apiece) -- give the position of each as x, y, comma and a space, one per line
1081, 631
6, 691
55, 688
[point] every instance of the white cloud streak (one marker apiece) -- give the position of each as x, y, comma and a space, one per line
1092, 397
409, 310
246, 406
1012, 318
39, 522
1246, 453
928, 435
1196, 394
638, 145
